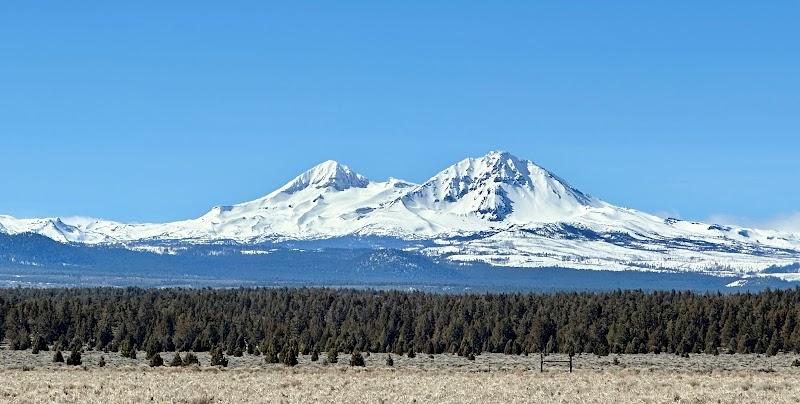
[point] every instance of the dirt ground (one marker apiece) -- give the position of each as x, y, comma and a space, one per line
25, 377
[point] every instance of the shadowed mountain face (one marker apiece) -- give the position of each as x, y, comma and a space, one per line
33, 260
496, 209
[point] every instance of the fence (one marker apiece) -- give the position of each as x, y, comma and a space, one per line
542, 361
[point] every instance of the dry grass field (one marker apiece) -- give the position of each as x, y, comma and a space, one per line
25, 377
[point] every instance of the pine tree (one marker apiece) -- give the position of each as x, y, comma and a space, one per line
190, 359
389, 360
509, 348
127, 348
732, 346
217, 358
74, 358
625, 321
20, 340
333, 356
270, 356
356, 359
58, 357
551, 346
156, 361
76, 345
39, 344
152, 347
314, 356
772, 348
289, 356
176, 360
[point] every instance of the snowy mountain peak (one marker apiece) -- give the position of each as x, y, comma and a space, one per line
498, 186
328, 174
499, 155
53, 228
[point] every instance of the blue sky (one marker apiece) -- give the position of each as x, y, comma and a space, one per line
154, 111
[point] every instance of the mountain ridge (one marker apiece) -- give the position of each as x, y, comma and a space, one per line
496, 209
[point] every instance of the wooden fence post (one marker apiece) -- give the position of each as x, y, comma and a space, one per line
541, 361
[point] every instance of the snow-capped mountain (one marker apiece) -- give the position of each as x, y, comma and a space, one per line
497, 209
53, 228
327, 175
499, 187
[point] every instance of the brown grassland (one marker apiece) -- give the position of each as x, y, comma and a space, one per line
26, 377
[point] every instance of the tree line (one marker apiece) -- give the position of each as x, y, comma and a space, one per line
267, 321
